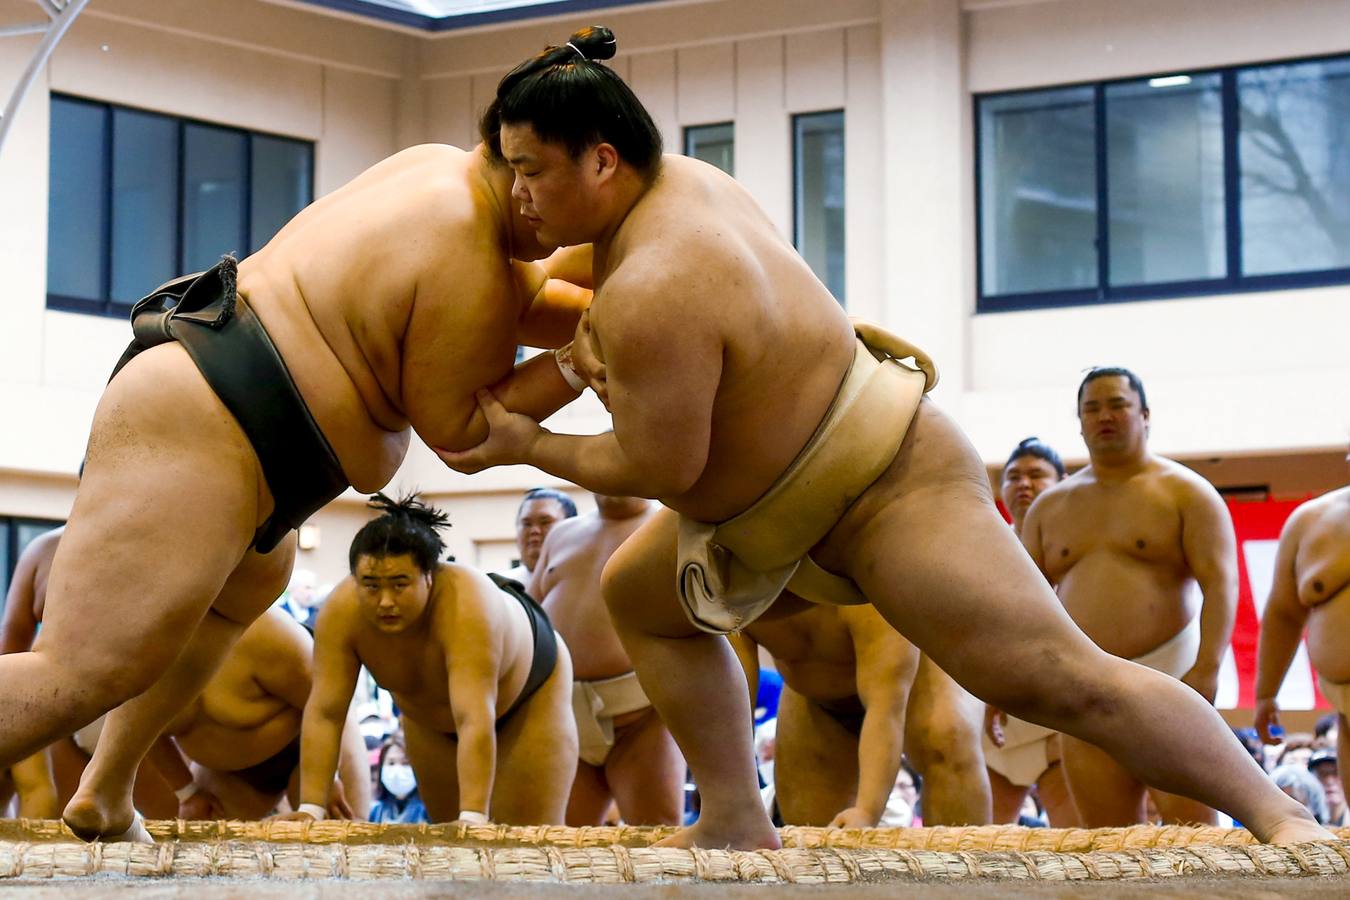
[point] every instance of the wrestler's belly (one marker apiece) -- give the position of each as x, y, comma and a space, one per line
596, 649
427, 713
821, 682
1329, 637
370, 443
229, 749
1127, 606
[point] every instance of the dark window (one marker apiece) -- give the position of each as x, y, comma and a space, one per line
138, 198
714, 144
1200, 183
818, 208
1295, 152
1040, 206
15, 535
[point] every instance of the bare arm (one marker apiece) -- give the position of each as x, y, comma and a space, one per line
886, 664
474, 662
36, 787
1210, 546
336, 668
556, 301
1031, 534
20, 625
663, 368
1282, 626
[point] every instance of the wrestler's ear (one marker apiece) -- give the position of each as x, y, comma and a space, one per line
605, 159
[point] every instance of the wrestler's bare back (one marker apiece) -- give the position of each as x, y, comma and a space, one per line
567, 582
1322, 572
414, 665
1114, 554
392, 301
237, 722
705, 257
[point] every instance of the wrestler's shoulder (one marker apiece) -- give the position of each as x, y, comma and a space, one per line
42, 548
1184, 483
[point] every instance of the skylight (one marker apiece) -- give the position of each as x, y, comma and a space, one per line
445, 15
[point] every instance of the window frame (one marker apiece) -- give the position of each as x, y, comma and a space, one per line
107, 307
1233, 282
9, 526
688, 132
795, 186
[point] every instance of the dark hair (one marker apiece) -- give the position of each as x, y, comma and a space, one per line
381, 792
1034, 446
567, 503
1324, 725
568, 97
407, 526
1114, 372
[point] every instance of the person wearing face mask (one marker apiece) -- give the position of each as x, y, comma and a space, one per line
483, 681
1125, 542
1018, 753
396, 797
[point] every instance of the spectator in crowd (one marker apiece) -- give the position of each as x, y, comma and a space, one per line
540, 509
1296, 781
902, 807
1324, 766
1252, 741
1297, 750
301, 598
396, 797
1326, 731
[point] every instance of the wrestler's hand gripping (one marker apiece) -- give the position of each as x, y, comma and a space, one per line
510, 436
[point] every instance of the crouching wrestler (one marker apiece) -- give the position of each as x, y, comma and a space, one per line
483, 681
234, 752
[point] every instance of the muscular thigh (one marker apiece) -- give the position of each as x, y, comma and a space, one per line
537, 754
815, 768
171, 494
639, 580
433, 759
929, 550
646, 773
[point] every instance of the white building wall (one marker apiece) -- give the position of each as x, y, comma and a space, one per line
1226, 375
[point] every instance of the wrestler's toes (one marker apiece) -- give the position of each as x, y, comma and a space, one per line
721, 836
1299, 831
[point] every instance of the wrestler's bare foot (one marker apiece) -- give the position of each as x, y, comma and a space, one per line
1298, 831
95, 819
743, 833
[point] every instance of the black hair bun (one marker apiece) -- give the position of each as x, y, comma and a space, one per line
1028, 442
595, 43
411, 506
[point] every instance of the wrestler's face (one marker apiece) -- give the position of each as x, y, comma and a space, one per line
556, 193
1111, 417
394, 592
537, 517
1023, 481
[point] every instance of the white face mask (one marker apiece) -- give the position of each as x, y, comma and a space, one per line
398, 780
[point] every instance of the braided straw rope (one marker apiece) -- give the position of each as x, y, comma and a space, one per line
625, 865
998, 838
364, 851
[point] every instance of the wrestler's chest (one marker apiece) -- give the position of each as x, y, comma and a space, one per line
421, 673
1323, 563
1136, 526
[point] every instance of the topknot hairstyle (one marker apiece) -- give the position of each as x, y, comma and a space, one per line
569, 98
1034, 446
569, 506
406, 526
